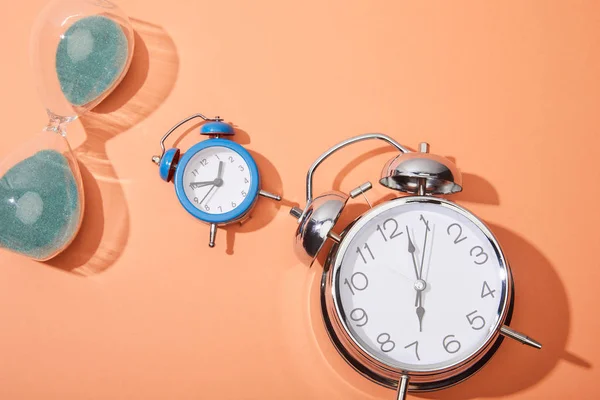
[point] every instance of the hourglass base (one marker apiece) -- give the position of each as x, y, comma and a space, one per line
41, 206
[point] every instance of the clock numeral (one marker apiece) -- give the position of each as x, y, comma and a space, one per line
386, 342
231, 159
358, 315
358, 281
220, 208
195, 172
233, 204
195, 199
361, 254
459, 238
246, 180
203, 162
489, 292
472, 321
206, 207
244, 193
451, 346
416, 344
216, 155
394, 234
241, 168
480, 254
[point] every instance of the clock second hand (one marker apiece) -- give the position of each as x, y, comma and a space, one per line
218, 182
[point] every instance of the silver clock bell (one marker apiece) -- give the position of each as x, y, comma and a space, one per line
416, 293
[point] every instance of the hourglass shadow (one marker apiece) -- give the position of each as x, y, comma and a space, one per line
105, 227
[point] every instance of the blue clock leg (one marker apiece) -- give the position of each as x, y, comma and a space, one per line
213, 235
269, 195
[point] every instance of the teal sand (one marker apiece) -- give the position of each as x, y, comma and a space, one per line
40, 206
90, 58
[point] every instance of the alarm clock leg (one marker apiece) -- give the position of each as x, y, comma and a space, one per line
213, 235
402, 387
519, 337
269, 195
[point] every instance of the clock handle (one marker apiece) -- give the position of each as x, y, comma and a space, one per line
156, 159
402, 387
347, 142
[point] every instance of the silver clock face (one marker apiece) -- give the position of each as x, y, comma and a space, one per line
419, 284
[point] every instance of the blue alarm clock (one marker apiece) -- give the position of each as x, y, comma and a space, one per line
216, 180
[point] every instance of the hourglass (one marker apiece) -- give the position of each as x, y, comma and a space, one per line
80, 51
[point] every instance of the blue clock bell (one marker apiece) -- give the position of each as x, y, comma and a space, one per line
216, 180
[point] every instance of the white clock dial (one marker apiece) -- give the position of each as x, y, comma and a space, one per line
216, 180
419, 285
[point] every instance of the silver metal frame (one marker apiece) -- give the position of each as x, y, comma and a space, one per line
378, 370
330, 151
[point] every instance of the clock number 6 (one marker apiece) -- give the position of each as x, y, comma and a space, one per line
358, 281
385, 339
451, 346
476, 325
480, 254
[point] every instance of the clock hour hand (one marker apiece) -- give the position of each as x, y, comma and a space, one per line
196, 185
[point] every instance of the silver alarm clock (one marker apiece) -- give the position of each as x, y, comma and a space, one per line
416, 293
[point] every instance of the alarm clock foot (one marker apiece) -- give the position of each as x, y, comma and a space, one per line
269, 195
519, 337
402, 387
213, 235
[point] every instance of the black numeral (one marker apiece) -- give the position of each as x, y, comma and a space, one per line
203, 162
244, 193
231, 159
480, 254
361, 254
241, 168
416, 344
359, 315
487, 291
459, 238
358, 281
195, 172
477, 322
386, 342
395, 232
451, 346
233, 204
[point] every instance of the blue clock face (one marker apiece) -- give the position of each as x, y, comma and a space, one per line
217, 181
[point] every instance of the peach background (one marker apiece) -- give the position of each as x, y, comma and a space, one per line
141, 308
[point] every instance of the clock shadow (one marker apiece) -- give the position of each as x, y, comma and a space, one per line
541, 311
265, 209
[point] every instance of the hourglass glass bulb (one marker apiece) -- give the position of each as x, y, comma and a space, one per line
80, 51
41, 196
